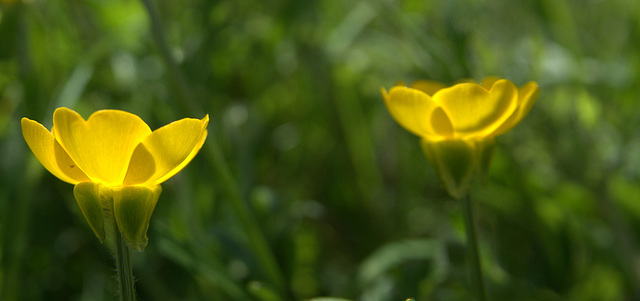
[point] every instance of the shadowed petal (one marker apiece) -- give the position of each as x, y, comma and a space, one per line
52, 156
102, 145
476, 112
427, 86
166, 151
488, 82
441, 123
527, 97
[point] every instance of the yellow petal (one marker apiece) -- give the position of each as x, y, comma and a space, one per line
166, 151
417, 112
527, 97
52, 156
385, 94
427, 86
476, 112
102, 145
441, 123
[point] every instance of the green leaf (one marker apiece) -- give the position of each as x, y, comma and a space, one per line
396, 253
262, 291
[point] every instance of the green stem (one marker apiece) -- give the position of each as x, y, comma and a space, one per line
255, 237
472, 250
124, 268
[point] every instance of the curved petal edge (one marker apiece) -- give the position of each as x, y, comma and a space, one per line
49, 152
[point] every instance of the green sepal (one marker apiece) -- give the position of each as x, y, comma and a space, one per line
91, 198
454, 161
485, 150
132, 209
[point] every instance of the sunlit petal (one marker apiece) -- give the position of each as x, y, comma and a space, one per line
102, 145
413, 109
166, 151
184, 163
527, 97
475, 111
52, 156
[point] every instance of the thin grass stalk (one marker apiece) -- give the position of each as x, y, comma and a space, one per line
255, 237
475, 266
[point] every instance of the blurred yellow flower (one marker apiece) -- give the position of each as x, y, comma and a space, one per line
115, 162
458, 124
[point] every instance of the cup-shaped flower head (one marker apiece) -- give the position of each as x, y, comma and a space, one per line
458, 124
115, 162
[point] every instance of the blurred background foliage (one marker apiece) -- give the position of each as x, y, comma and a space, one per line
343, 197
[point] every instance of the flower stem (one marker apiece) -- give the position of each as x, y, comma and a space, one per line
472, 250
124, 268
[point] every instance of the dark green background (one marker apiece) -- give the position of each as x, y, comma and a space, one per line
348, 203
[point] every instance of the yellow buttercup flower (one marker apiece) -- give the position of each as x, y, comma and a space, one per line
115, 162
458, 124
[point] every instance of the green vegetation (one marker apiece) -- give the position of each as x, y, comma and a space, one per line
306, 188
